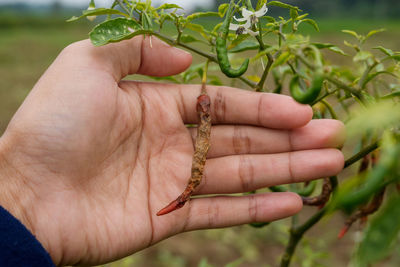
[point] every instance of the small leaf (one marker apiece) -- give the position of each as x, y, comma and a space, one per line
235, 263
245, 46
294, 14
186, 38
395, 57
146, 21
222, 10
380, 234
201, 15
353, 33
372, 76
384, 50
270, 19
253, 78
97, 12
282, 59
337, 50
168, 6
200, 29
283, 5
312, 23
260, 3
373, 32
115, 30
362, 55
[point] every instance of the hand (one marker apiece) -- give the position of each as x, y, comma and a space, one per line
88, 159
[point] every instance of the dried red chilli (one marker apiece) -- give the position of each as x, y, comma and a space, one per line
371, 207
202, 144
363, 212
323, 197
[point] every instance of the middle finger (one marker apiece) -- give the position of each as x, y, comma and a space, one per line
242, 139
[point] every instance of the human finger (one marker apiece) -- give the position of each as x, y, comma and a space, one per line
148, 56
235, 106
244, 173
217, 212
242, 139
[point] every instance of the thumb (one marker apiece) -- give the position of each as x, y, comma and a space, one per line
143, 55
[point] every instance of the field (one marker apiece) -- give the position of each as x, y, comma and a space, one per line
27, 48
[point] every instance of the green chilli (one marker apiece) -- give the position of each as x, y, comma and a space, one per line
308, 96
222, 51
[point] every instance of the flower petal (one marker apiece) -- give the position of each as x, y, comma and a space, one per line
261, 12
234, 27
246, 13
252, 33
247, 25
239, 19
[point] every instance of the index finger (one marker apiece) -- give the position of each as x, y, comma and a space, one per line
235, 106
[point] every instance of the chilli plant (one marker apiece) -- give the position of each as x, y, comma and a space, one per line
247, 45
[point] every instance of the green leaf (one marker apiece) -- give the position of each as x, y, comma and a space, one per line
97, 12
200, 29
222, 9
337, 50
245, 46
384, 50
372, 76
362, 55
235, 263
380, 234
260, 3
312, 23
115, 30
186, 38
395, 57
331, 47
201, 15
294, 14
282, 59
373, 32
146, 21
204, 263
283, 5
169, 6
270, 19
353, 33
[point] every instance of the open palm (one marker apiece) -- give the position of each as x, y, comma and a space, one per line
101, 156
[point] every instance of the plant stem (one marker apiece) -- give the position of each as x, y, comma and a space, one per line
121, 4
259, 87
344, 86
210, 57
297, 233
361, 154
331, 111
361, 83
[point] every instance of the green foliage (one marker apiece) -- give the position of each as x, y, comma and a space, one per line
115, 30
380, 235
364, 93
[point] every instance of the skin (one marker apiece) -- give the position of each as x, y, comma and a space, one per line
88, 159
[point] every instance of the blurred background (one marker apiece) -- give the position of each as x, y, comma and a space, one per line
33, 32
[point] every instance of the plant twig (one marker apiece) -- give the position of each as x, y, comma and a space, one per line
259, 87
361, 154
121, 4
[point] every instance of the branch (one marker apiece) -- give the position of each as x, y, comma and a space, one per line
361, 154
210, 57
259, 87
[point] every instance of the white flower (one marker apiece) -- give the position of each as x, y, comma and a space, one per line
91, 7
251, 18
242, 28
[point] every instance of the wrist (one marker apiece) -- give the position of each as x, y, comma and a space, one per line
13, 197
